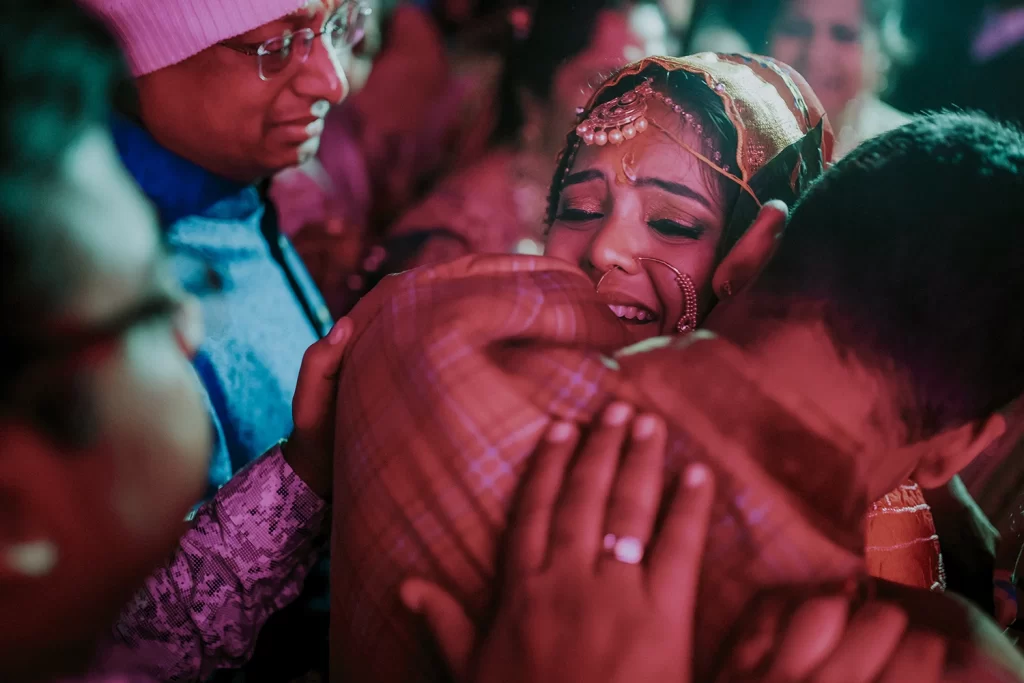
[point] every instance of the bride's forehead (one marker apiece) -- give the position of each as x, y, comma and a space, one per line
651, 151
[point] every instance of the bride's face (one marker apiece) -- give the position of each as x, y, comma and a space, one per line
648, 197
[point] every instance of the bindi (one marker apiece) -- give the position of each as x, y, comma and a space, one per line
627, 173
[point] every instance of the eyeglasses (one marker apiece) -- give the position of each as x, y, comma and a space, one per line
40, 361
345, 28
193, 275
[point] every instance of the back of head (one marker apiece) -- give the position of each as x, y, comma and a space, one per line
57, 75
913, 245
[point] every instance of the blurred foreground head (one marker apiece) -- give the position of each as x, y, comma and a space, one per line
104, 438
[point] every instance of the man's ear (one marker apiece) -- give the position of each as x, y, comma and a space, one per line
746, 259
948, 453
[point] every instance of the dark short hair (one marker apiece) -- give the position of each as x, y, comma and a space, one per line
57, 73
914, 246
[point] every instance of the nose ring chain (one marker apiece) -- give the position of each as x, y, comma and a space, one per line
688, 320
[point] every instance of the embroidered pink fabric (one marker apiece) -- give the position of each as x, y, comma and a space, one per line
245, 557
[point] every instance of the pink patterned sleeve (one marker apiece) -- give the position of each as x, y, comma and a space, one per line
245, 557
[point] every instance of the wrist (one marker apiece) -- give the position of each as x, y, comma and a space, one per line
318, 478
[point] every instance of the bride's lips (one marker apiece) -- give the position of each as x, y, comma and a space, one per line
633, 314
629, 309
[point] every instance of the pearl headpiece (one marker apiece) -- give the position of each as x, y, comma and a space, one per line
626, 117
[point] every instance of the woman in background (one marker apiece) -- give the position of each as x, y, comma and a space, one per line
836, 45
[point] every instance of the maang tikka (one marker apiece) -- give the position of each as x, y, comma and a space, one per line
626, 117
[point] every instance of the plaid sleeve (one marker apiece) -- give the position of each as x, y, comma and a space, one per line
453, 375
451, 378
245, 556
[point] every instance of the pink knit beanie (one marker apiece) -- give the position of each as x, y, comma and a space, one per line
159, 33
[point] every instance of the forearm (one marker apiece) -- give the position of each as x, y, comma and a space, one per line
246, 556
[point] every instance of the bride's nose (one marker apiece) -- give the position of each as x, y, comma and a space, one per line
615, 245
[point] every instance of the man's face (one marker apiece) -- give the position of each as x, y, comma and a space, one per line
111, 493
245, 116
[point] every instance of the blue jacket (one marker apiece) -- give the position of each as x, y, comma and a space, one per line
266, 313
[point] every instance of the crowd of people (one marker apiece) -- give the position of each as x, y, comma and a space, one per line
588, 340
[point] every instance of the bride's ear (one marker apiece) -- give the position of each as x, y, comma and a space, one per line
748, 256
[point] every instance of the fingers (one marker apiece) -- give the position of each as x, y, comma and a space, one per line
448, 623
531, 521
676, 555
871, 638
814, 631
577, 526
636, 493
317, 385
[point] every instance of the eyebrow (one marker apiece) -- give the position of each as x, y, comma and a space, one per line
583, 177
677, 189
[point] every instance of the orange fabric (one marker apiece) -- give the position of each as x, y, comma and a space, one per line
452, 376
902, 545
771, 106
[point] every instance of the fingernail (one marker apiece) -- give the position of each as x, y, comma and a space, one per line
560, 432
339, 331
697, 476
644, 427
617, 415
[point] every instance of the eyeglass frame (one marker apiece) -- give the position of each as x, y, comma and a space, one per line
64, 341
361, 10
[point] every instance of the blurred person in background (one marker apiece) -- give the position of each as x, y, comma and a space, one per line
938, 64
835, 44
678, 16
375, 158
225, 94
997, 53
498, 204
216, 112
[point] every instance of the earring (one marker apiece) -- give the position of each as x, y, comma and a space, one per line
34, 559
688, 320
726, 289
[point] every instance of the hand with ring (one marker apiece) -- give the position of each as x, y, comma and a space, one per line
592, 591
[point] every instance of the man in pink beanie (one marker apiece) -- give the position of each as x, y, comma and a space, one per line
228, 92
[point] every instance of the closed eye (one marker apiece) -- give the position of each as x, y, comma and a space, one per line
577, 215
670, 228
